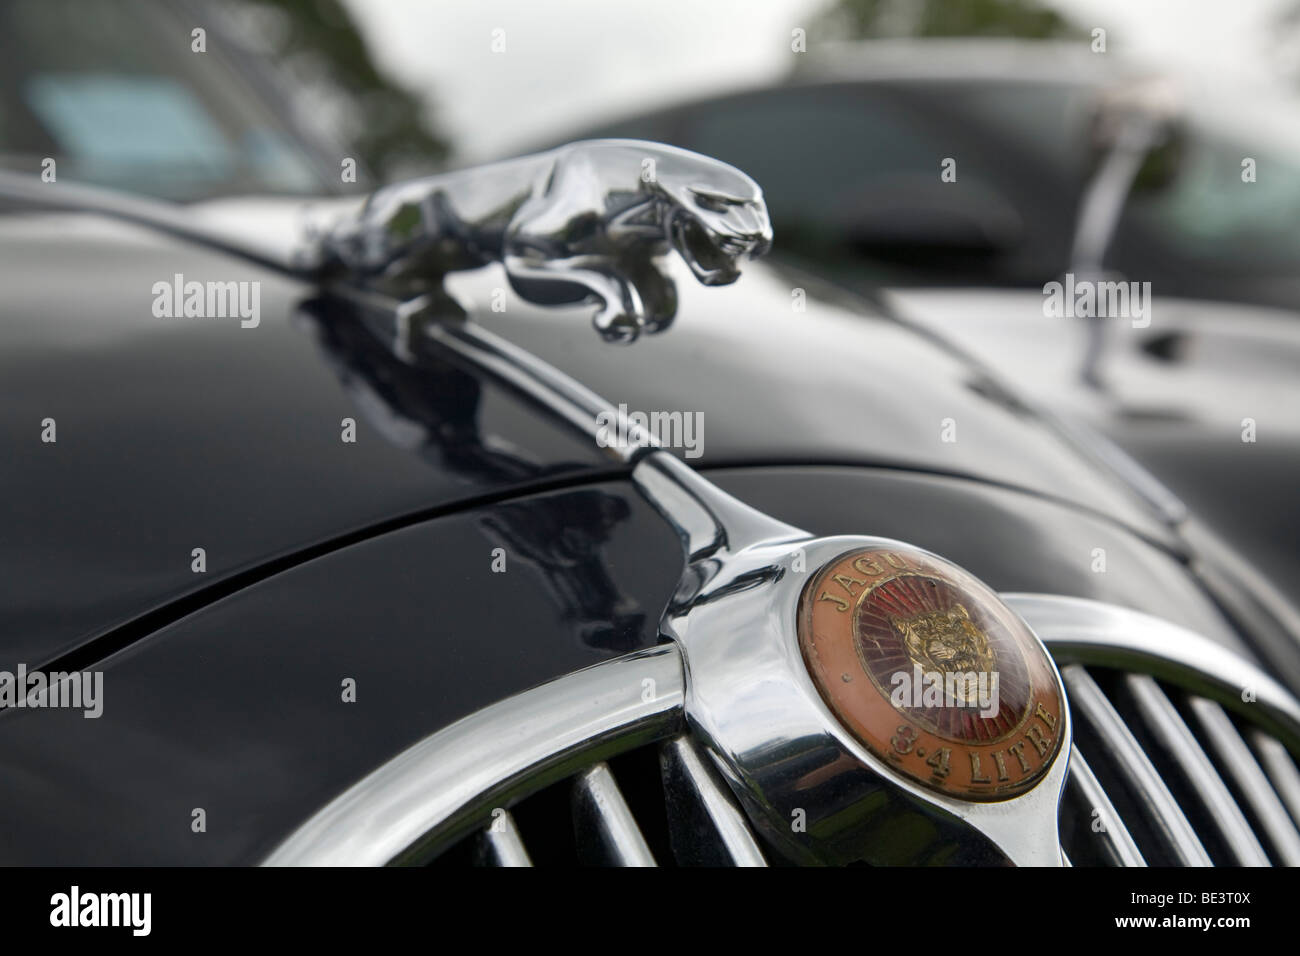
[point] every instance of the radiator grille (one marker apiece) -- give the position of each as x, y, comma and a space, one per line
656, 805
1184, 754
1171, 778
1158, 777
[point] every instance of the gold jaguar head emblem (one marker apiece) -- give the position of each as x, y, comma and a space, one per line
946, 641
926, 667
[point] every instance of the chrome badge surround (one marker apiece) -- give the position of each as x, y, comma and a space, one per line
809, 783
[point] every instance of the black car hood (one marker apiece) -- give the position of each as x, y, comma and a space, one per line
783, 367
175, 434
182, 433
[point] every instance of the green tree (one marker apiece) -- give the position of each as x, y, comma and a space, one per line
387, 125
863, 19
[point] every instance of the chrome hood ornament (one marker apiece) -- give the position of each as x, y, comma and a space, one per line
591, 221
584, 222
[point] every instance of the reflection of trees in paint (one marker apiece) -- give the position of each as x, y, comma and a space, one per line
432, 409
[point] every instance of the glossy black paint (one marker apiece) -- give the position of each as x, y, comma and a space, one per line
785, 368
1011, 540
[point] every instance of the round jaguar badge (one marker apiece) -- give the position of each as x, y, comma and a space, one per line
928, 668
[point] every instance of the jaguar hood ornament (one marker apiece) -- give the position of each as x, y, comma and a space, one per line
592, 221
586, 222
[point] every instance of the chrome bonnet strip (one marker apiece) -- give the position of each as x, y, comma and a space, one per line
556, 392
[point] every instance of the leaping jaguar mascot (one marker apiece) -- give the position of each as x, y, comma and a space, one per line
583, 222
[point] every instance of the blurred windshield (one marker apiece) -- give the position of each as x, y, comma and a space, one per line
113, 92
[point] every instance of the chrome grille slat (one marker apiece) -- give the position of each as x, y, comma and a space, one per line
688, 779
1165, 816
1083, 633
1114, 835
1240, 764
445, 786
1281, 770
607, 831
501, 845
1173, 734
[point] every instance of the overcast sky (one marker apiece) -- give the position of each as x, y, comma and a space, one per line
570, 61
